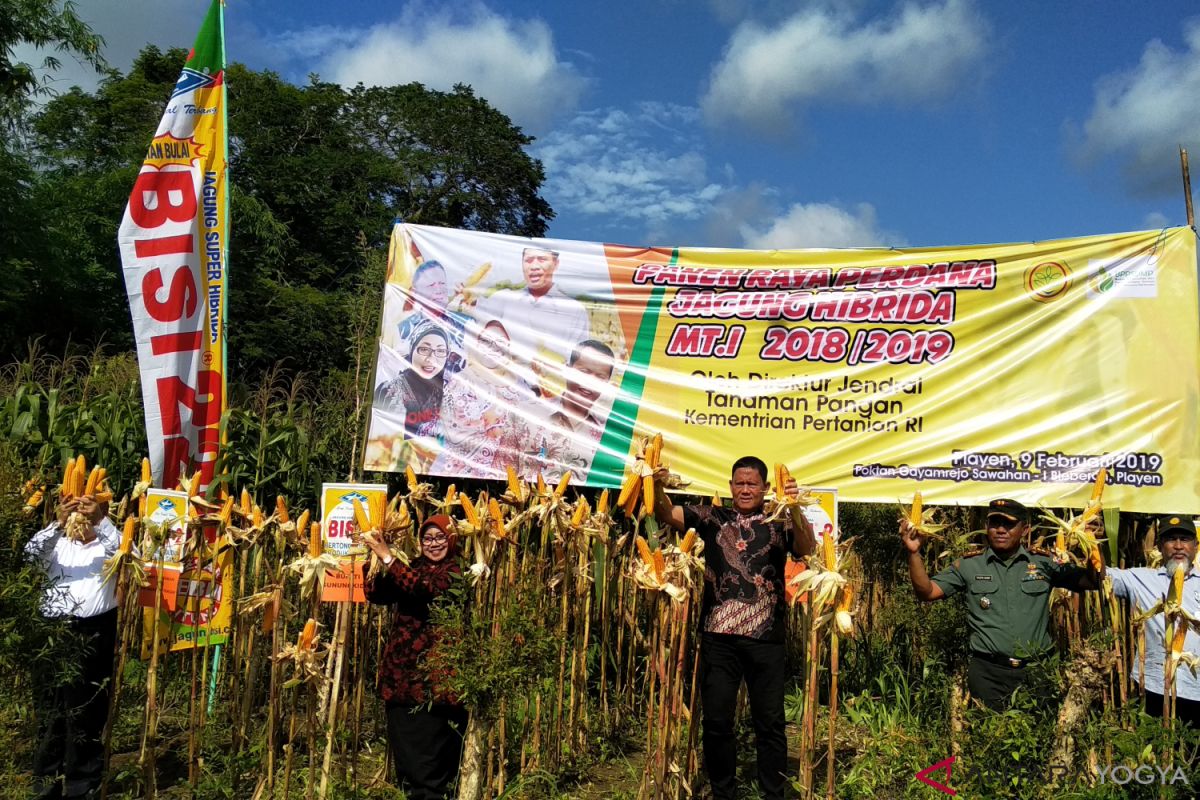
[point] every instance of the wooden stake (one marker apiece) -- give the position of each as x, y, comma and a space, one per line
1187, 187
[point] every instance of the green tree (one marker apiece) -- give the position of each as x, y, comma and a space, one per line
318, 174
43, 24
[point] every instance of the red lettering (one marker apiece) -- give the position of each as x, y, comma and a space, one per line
164, 246
181, 298
173, 198
175, 343
204, 402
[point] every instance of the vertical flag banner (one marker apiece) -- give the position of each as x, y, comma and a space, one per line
968, 372
174, 244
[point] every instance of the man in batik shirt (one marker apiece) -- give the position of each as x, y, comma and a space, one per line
743, 621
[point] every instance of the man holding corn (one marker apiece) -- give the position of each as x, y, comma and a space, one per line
73, 707
743, 620
1146, 587
1008, 598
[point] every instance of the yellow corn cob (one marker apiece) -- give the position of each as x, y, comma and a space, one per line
194, 485
1098, 488
223, 493
644, 549
602, 503
256, 516
35, 499
469, 509
361, 518
89, 488
227, 510
1094, 559
302, 522
563, 483
648, 493
716, 500
689, 541
305, 642
479, 274
127, 533
147, 475
315, 545
450, 495
1060, 541
247, 505
103, 497
514, 483
660, 566
914, 518
281, 511
541, 485
628, 487
654, 454
632, 500
779, 480
1175, 592
376, 510
68, 481
403, 519
411, 477
580, 511
842, 620
846, 598
79, 476
830, 551
1178, 639
497, 519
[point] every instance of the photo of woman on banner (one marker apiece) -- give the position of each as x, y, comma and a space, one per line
570, 435
480, 410
412, 402
429, 297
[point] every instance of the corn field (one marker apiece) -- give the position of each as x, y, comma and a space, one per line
571, 637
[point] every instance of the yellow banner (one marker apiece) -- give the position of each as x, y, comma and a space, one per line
971, 372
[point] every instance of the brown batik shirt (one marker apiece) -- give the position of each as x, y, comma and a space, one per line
744, 560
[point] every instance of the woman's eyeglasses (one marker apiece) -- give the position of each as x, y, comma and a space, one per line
435, 538
425, 351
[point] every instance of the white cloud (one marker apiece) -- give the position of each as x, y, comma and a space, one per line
511, 63
820, 225
1143, 115
1156, 219
767, 72
646, 165
127, 26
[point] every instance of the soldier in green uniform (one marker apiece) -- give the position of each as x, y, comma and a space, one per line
1007, 588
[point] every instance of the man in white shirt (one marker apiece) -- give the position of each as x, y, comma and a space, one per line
1146, 587
540, 318
73, 708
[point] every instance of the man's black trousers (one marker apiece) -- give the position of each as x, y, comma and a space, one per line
72, 712
724, 662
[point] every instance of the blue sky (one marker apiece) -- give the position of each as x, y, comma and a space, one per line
744, 123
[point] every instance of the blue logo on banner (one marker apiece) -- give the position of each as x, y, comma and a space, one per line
190, 80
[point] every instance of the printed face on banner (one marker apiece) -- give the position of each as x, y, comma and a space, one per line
878, 365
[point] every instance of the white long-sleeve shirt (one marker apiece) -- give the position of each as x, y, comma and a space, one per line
74, 585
